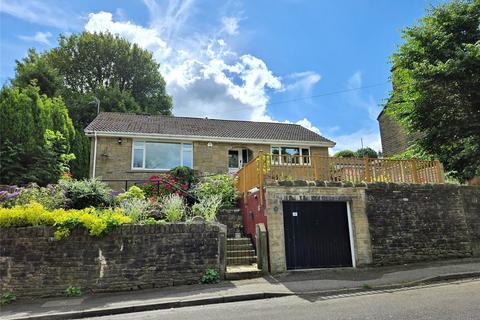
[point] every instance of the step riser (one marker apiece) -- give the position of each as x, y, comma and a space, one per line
242, 275
240, 261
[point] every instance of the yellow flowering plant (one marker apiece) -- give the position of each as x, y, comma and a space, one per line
97, 222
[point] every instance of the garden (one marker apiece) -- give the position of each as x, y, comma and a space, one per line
176, 196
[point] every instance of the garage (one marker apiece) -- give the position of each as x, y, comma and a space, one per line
317, 234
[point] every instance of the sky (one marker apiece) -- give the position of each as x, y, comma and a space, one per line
321, 64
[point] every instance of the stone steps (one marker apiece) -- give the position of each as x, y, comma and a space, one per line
241, 259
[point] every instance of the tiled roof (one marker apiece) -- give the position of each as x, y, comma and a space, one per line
112, 122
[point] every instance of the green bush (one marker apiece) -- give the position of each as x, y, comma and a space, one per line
51, 197
344, 154
73, 291
207, 207
135, 208
211, 276
366, 152
86, 193
174, 207
7, 297
184, 174
97, 222
133, 192
220, 184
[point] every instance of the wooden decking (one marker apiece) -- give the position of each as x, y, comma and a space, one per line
268, 166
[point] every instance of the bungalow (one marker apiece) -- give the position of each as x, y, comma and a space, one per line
134, 147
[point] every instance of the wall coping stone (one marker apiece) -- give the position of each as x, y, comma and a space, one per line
372, 185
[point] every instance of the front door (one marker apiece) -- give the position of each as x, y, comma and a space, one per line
234, 160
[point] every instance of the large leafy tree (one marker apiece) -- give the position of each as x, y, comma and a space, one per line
35, 134
89, 67
436, 85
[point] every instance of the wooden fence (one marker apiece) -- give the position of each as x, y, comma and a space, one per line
293, 167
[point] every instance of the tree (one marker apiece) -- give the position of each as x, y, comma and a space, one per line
89, 66
345, 154
123, 76
436, 85
35, 132
366, 152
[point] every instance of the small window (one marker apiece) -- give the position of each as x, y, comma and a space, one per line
290, 155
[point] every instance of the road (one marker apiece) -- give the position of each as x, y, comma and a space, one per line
458, 300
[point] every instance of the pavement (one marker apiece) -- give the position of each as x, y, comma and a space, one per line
321, 282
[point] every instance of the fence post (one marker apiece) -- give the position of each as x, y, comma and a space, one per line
126, 185
438, 166
314, 167
244, 184
414, 170
158, 188
367, 170
260, 176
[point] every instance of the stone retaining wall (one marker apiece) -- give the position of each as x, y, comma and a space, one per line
392, 223
131, 257
232, 218
410, 223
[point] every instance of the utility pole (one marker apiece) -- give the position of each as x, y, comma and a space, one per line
97, 101
361, 141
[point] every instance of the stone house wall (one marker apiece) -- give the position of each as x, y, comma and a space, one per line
391, 223
114, 160
131, 257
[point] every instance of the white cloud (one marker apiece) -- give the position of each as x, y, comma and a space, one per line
39, 12
306, 124
203, 74
303, 82
41, 37
230, 25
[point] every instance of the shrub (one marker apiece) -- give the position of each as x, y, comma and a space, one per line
369, 152
97, 222
164, 185
207, 207
133, 192
51, 197
184, 174
135, 208
7, 297
73, 291
220, 184
211, 276
173, 207
345, 154
86, 193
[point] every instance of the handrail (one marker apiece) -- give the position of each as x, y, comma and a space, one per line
303, 167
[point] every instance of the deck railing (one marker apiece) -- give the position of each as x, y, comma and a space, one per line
296, 167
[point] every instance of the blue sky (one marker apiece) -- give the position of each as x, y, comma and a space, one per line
243, 60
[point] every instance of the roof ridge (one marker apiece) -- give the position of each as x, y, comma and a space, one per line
199, 118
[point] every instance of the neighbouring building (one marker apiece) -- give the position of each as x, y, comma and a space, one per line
395, 138
134, 147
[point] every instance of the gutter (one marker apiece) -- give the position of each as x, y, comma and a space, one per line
208, 138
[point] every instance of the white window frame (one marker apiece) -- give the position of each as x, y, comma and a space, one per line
279, 162
156, 141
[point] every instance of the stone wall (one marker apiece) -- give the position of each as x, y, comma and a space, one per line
131, 257
303, 191
232, 218
410, 223
392, 223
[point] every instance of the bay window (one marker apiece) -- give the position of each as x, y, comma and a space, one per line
151, 155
